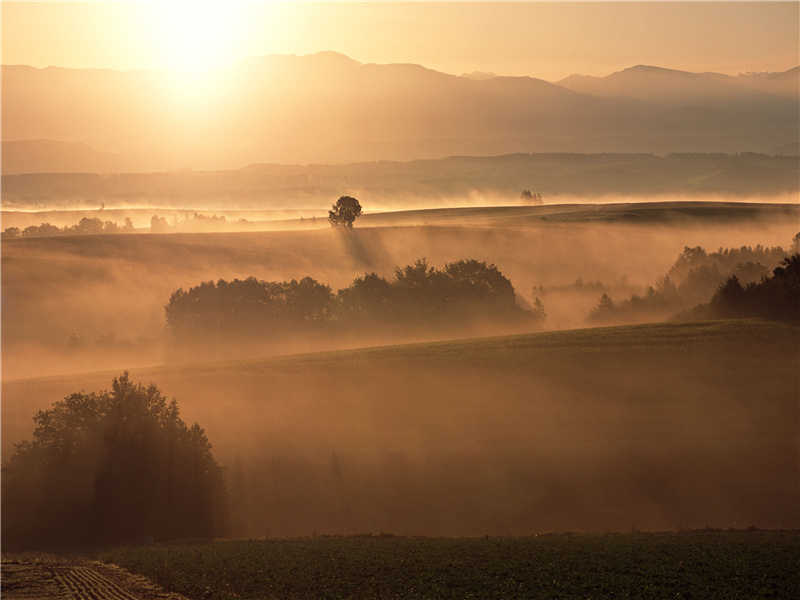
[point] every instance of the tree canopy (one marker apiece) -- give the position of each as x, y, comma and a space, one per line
346, 210
774, 297
465, 292
108, 467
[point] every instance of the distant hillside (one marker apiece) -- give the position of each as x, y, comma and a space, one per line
444, 182
327, 108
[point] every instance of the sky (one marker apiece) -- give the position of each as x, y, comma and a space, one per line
548, 40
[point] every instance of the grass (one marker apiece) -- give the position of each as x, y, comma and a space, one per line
733, 564
650, 426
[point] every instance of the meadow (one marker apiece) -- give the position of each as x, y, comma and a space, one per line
86, 303
654, 427
731, 564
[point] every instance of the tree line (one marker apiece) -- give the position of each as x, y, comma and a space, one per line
774, 297
419, 296
86, 226
763, 275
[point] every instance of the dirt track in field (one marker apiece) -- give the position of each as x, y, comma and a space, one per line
73, 579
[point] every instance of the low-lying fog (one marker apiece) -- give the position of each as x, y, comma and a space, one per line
496, 438
656, 429
83, 303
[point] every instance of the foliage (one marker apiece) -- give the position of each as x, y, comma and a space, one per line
86, 226
419, 295
346, 210
249, 307
693, 278
740, 564
775, 297
197, 222
531, 198
107, 467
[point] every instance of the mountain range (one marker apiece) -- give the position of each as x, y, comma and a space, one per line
328, 108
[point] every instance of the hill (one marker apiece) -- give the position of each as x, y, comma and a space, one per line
327, 108
457, 180
75, 303
653, 427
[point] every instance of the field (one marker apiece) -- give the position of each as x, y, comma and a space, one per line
742, 564
655, 427
652, 426
87, 303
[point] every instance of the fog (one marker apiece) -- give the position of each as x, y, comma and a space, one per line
572, 430
84, 303
576, 431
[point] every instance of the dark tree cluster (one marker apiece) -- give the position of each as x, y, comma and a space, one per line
197, 222
418, 296
109, 468
692, 279
245, 308
86, 226
774, 297
531, 199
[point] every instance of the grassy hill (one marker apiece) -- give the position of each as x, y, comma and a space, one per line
654, 427
78, 303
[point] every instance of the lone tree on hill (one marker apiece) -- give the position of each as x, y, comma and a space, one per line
108, 468
531, 199
344, 212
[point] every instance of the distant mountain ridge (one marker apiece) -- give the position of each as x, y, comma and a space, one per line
329, 108
681, 88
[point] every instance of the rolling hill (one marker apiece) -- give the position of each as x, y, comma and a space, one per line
653, 427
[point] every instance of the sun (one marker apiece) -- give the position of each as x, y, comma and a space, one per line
196, 36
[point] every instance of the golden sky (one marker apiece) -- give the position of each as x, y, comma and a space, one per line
549, 40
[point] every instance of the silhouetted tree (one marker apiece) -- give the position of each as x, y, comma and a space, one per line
775, 297
368, 299
537, 312
104, 468
529, 198
604, 311
158, 224
248, 308
346, 210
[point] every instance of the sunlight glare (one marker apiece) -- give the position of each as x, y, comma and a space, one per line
197, 36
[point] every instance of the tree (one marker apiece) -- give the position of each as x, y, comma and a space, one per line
367, 299
532, 199
604, 311
104, 468
346, 210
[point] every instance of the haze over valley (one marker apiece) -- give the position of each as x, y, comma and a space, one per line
322, 274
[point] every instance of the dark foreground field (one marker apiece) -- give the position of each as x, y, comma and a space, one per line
654, 427
742, 564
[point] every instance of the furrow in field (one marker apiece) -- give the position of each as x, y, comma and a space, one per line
85, 583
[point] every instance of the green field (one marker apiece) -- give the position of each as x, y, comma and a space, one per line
741, 564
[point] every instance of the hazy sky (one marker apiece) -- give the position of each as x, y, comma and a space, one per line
549, 40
